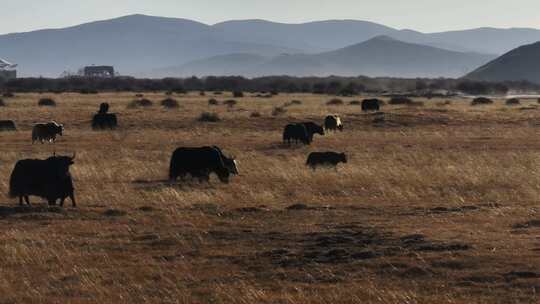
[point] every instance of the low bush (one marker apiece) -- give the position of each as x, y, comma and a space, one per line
255, 114
513, 102
8, 95
400, 100
292, 103
86, 91
238, 94
138, 103
2, 103
355, 103
481, 101
416, 104
230, 103
335, 102
47, 102
278, 111
209, 117
170, 103
213, 102
444, 103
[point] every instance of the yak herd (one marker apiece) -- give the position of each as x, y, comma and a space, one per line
50, 178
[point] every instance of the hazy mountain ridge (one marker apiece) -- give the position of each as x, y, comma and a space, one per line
379, 56
137, 44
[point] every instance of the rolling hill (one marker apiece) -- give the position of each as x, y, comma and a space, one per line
379, 56
132, 44
139, 44
519, 64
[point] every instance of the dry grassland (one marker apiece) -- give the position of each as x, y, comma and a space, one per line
438, 204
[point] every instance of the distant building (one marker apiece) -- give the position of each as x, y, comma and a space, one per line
7, 70
102, 71
8, 74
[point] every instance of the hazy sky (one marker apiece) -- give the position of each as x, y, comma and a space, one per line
423, 15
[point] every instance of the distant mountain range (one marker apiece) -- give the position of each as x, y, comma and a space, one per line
154, 46
379, 56
522, 63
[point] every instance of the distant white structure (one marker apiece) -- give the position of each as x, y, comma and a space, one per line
7, 69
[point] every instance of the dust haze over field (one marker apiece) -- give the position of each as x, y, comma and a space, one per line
437, 204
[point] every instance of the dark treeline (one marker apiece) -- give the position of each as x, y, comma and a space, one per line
345, 86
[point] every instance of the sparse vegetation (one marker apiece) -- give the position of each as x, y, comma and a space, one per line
209, 117
2, 103
8, 95
255, 114
355, 103
213, 102
47, 102
430, 207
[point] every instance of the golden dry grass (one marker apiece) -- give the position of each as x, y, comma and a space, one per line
424, 212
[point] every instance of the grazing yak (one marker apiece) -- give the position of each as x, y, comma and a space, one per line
199, 163
329, 159
103, 119
296, 133
7, 125
46, 132
49, 179
313, 128
333, 123
371, 105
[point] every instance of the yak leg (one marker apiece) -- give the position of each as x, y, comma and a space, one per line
204, 178
27, 199
72, 198
20, 200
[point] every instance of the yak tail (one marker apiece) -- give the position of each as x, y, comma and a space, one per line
172, 169
12, 191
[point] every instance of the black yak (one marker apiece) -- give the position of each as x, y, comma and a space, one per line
329, 159
312, 129
46, 132
199, 163
296, 133
333, 123
7, 125
371, 105
49, 179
